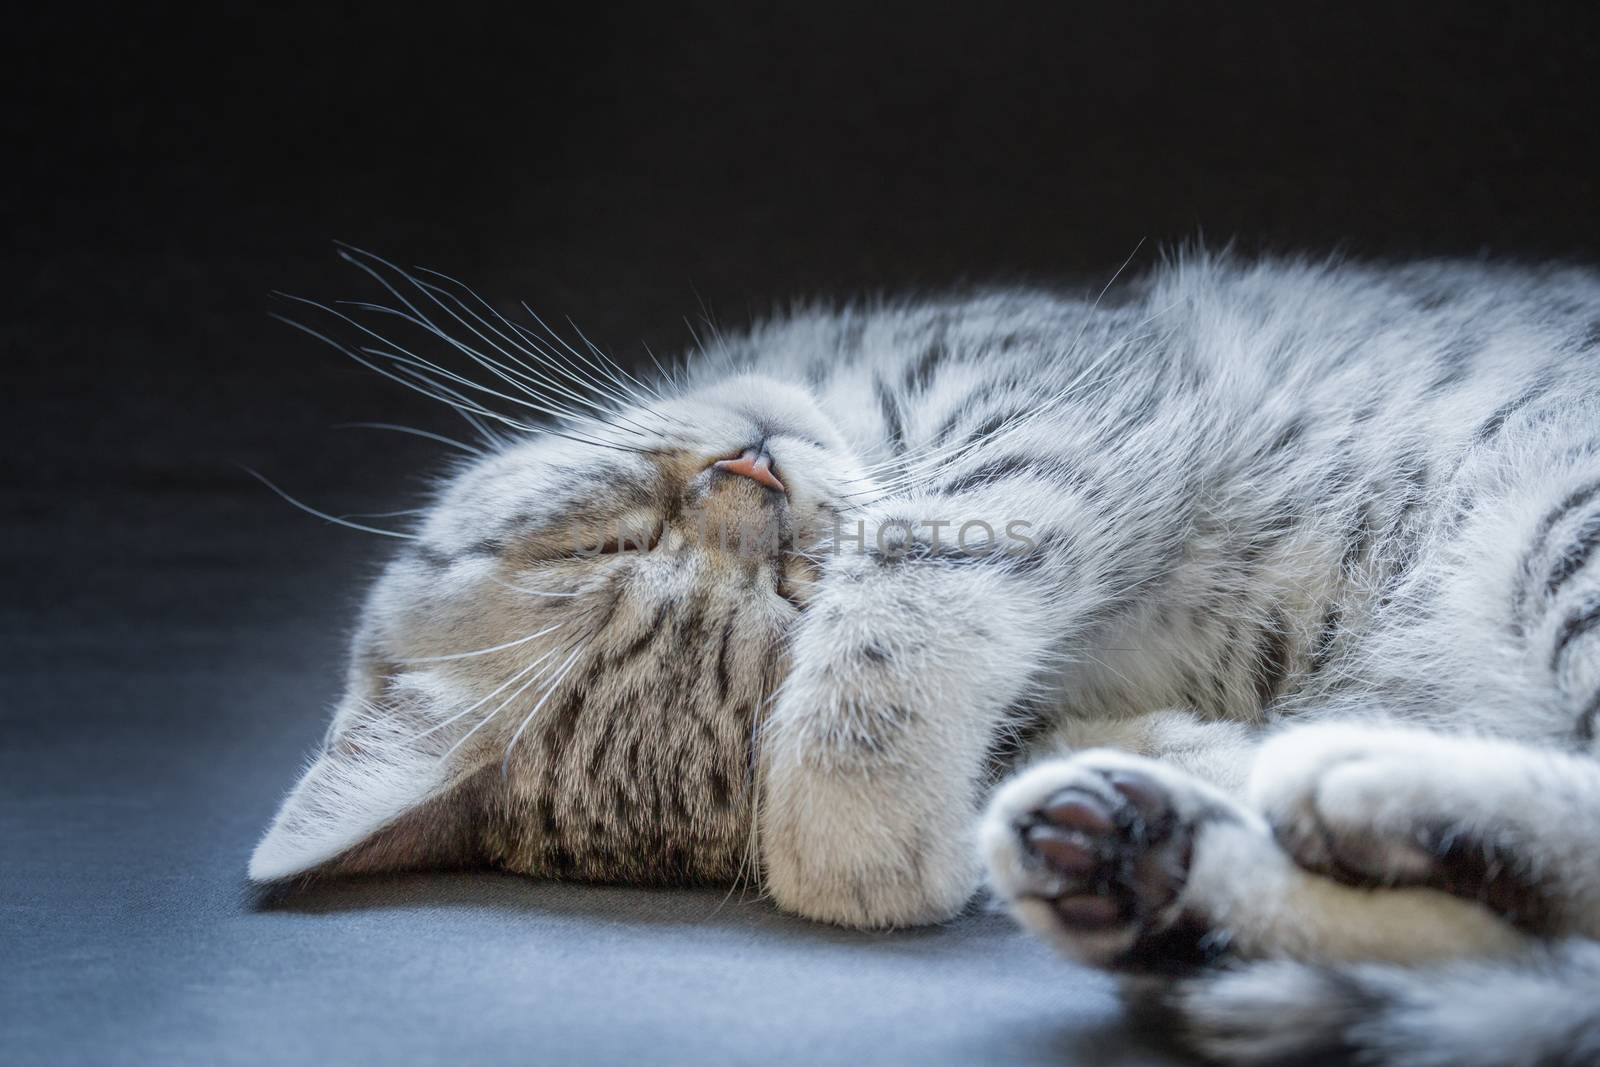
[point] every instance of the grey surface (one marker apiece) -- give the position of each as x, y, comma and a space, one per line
170, 634
169, 654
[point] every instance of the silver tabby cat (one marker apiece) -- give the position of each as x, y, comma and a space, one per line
1241, 627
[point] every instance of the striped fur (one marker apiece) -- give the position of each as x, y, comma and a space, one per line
1297, 563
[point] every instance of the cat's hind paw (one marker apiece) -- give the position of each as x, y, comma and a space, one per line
1378, 806
1093, 853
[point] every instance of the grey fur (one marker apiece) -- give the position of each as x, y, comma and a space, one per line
1349, 513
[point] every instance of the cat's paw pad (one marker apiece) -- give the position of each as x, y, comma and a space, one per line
1391, 807
1093, 853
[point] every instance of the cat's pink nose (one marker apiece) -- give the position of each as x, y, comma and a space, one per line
752, 463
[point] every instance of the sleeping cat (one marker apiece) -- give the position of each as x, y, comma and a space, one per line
1243, 624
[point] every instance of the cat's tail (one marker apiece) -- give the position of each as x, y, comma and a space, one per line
1543, 1011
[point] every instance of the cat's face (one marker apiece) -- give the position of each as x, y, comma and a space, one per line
565, 671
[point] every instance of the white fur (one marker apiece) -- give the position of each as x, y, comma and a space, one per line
1258, 495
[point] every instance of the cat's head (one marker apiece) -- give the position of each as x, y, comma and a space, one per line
564, 671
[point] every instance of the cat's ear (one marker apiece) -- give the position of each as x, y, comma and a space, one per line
385, 793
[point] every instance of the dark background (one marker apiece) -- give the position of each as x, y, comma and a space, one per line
631, 165
172, 632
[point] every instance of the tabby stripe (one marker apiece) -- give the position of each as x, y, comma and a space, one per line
919, 374
434, 558
723, 680
988, 427
613, 602
1454, 366
994, 470
1587, 721
1271, 661
1360, 542
1287, 437
640, 643
894, 426
1322, 651
563, 725
993, 425
1541, 536
1577, 555
1572, 628
967, 406
947, 427
691, 624
1497, 419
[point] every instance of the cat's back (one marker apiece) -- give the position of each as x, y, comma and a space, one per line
1219, 311
1212, 346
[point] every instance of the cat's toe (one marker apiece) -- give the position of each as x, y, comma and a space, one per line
1093, 853
1108, 858
1388, 807
1333, 832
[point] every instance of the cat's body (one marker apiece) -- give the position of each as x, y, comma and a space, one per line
1283, 503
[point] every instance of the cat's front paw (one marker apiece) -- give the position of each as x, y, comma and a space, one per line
1399, 807
862, 851
1093, 853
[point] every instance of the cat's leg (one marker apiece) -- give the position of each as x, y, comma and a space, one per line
1495, 630
1511, 826
1217, 751
1127, 863
913, 664
873, 758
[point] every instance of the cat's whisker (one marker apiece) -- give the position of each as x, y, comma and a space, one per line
669, 373
665, 374
401, 512
524, 687
407, 365
414, 432
522, 375
454, 397
483, 651
430, 389
434, 291
403, 367
584, 371
515, 588
619, 374
553, 335
309, 510
527, 385
546, 405
577, 363
540, 592
488, 436
614, 408
502, 687
418, 318
555, 683
554, 410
